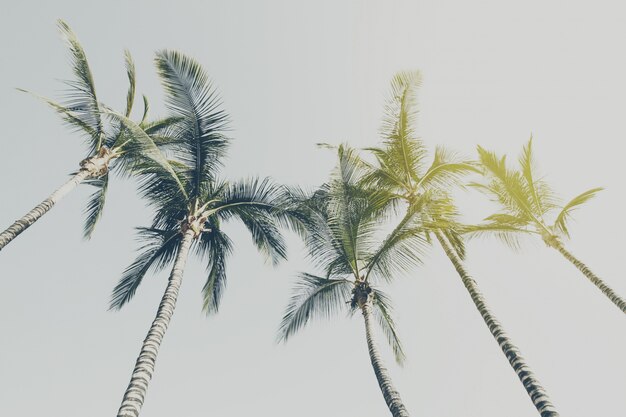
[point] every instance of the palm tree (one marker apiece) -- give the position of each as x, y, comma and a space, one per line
401, 169
525, 201
191, 204
110, 147
344, 220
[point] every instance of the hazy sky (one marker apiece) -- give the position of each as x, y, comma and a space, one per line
292, 74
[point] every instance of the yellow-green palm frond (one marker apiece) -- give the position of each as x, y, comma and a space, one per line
560, 225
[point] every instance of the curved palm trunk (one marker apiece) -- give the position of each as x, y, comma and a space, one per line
144, 368
392, 397
536, 392
42, 208
606, 290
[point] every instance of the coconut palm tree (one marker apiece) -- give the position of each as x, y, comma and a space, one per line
190, 204
401, 169
526, 200
110, 147
344, 221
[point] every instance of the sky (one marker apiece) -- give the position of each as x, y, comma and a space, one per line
292, 74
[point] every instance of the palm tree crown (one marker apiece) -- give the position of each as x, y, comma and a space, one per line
526, 203
186, 193
526, 200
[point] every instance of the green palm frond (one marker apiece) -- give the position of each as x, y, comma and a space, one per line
132, 81
447, 170
508, 234
383, 313
149, 159
81, 98
404, 152
68, 116
313, 297
95, 206
215, 247
560, 224
158, 250
190, 95
401, 250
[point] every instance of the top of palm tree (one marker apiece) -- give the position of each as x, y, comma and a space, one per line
344, 241
183, 186
527, 202
104, 130
401, 164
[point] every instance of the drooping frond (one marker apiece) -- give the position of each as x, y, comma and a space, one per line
560, 225
262, 207
313, 297
215, 247
158, 250
95, 206
383, 313
190, 95
81, 98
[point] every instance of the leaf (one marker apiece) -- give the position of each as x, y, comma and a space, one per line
159, 249
81, 98
382, 312
313, 297
561, 221
95, 205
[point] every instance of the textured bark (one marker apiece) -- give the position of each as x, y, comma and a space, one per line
144, 368
536, 392
606, 290
42, 208
392, 397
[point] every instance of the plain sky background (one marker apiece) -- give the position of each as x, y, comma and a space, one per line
292, 74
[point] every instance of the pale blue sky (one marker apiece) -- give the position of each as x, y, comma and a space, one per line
292, 74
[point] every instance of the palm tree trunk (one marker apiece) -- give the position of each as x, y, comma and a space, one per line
536, 392
392, 397
144, 367
32, 216
606, 290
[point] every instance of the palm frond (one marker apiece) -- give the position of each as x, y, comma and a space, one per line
383, 313
215, 246
508, 234
95, 206
560, 224
447, 170
402, 249
159, 249
81, 99
313, 297
148, 159
190, 95
132, 80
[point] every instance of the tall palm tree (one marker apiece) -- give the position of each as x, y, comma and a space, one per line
344, 221
526, 200
191, 204
401, 169
110, 147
